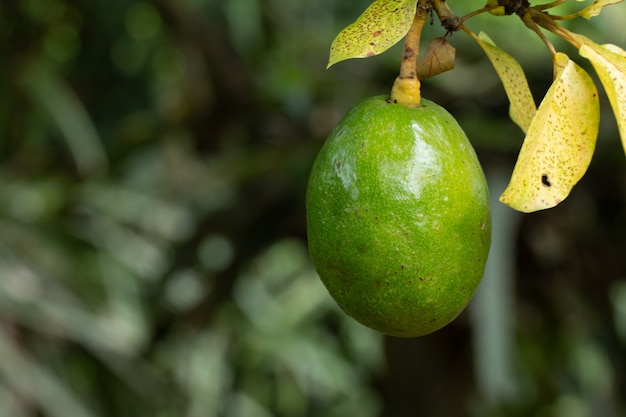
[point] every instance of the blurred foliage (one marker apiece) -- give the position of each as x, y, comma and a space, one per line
153, 262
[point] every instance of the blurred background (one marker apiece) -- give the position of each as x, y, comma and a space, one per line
153, 262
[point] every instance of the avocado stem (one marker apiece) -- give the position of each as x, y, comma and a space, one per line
406, 87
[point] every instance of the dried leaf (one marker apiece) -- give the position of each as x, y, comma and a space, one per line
522, 107
560, 142
609, 62
438, 58
382, 25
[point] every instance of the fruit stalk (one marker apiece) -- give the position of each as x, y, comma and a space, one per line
406, 87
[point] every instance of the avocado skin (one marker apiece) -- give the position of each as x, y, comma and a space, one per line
398, 217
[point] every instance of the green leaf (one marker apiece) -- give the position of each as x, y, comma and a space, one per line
609, 61
382, 25
522, 108
560, 142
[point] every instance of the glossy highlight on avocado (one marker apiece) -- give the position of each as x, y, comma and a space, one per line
398, 217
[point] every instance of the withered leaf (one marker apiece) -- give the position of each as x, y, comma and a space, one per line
438, 58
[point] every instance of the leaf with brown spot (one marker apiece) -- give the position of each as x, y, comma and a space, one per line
383, 24
522, 107
559, 144
438, 58
609, 62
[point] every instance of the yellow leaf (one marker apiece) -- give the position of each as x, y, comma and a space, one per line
595, 8
382, 25
609, 61
559, 144
522, 108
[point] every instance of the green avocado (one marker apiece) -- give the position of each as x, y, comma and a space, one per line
398, 217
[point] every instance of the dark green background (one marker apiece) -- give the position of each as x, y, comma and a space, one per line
153, 260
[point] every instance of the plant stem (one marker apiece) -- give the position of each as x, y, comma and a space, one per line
406, 88
477, 12
530, 23
448, 19
550, 5
547, 22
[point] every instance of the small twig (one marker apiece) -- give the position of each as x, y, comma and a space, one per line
448, 19
549, 5
530, 23
468, 16
547, 22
